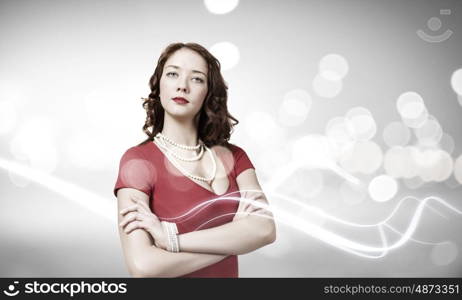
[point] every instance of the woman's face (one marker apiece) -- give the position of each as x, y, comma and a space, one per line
184, 76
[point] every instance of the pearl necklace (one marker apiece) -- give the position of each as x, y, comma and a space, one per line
179, 167
185, 147
162, 144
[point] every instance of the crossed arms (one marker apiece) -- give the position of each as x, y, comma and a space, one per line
199, 249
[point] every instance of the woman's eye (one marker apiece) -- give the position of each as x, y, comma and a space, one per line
169, 74
198, 79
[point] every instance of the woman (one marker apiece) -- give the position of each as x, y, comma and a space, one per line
172, 221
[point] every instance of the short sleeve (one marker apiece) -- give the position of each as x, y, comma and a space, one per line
241, 161
135, 172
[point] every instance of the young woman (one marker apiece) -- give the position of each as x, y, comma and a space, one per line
172, 221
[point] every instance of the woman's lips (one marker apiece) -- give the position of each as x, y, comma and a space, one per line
180, 100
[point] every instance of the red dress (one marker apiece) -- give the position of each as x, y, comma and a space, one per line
176, 198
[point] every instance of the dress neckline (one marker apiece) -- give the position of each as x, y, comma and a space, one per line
179, 171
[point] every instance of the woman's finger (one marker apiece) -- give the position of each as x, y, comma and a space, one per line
129, 209
127, 219
136, 216
143, 205
132, 226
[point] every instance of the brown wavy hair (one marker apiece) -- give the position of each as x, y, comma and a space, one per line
215, 122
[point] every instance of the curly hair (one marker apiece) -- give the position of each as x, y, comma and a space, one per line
215, 123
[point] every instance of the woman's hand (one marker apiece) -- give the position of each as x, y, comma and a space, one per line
250, 203
139, 216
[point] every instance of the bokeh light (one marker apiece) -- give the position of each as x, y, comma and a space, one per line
313, 151
382, 188
411, 107
261, 127
396, 134
227, 53
447, 143
220, 7
364, 157
430, 133
433, 164
458, 169
456, 81
326, 88
295, 107
339, 131
362, 122
399, 162
333, 67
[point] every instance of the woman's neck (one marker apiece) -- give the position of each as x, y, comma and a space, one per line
184, 133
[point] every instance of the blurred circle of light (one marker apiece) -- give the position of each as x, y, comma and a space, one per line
395, 162
447, 143
416, 123
220, 7
35, 141
411, 107
430, 133
352, 194
227, 53
414, 182
326, 88
312, 151
333, 67
456, 81
362, 122
383, 188
434, 165
396, 134
444, 168
444, 254
364, 157
295, 107
261, 127
339, 131
8, 116
458, 169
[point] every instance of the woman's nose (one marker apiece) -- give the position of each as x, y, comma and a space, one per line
182, 86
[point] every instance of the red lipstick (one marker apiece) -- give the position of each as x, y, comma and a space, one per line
180, 100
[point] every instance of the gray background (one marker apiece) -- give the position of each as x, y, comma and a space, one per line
56, 54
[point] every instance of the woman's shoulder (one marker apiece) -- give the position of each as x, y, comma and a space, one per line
235, 150
143, 150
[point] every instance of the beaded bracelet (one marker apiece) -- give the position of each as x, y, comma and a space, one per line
172, 238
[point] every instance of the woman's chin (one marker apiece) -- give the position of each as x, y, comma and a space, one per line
180, 114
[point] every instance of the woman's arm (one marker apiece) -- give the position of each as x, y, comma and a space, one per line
143, 259
238, 237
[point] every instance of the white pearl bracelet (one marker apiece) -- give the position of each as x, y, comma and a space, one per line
172, 236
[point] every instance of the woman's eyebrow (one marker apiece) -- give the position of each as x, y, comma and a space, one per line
194, 71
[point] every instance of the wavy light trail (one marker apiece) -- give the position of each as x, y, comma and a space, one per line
106, 209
